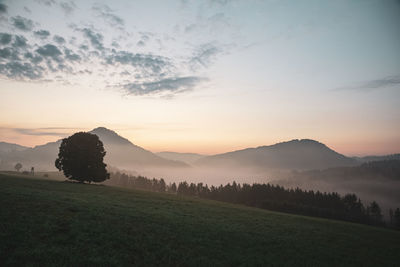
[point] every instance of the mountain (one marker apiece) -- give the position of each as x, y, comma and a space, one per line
378, 158
121, 153
5, 150
188, 158
293, 155
8, 147
374, 180
41, 157
124, 154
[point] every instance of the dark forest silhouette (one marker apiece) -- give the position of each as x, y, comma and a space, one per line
272, 197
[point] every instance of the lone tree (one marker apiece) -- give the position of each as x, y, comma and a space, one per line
81, 158
18, 166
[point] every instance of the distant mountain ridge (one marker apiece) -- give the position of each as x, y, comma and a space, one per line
294, 155
120, 153
9, 147
110, 137
304, 154
188, 158
123, 153
378, 158
372, 181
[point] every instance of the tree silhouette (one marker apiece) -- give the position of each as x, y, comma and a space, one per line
391, 216
183, 188
18, 166
374, 212
81, 158
273, 197
162, 186
172, 188
397, 218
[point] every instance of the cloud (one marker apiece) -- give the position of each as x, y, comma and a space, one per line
213, 24
190, 28
68, 7
144, 38
96, 39
115, 44
135, 73
70, 55
49, 51
22, 23
58, 39
106, 13
21, 71
46, 2
5, 38
27, 10
216, 25
204, 55
124, 73
3, 8
9, 53
20, 41
84, 47
35, 59
220, 2
42, 131
149, 64
42, 34
16, 62
385, 82
45, 131
164, 86
5, 52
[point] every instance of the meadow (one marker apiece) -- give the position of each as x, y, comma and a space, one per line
45, 222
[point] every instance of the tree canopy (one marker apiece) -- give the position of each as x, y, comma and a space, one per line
81, 158
18, 166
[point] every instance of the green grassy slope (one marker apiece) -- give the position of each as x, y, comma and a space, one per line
45, 222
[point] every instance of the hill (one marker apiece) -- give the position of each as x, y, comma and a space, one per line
188, 158
5, 150
121, 153
8, 147
67, 224
293, 155
375, 180
378, 158
41, 157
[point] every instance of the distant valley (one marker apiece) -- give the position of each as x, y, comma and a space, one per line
121, 153
294, 155
189, 158
304, 163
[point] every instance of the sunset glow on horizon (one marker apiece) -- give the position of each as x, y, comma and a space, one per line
203, 77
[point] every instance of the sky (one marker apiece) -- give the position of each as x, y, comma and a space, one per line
203, 76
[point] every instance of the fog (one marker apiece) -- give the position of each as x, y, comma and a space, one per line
306, 164
368, 186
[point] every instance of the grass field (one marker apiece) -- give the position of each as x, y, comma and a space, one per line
53, 223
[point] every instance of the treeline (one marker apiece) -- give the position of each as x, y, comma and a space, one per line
385, 168
374, 170
272, 197
137, 182
297, 201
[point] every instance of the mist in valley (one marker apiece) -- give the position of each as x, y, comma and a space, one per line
199, 133
304, 164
